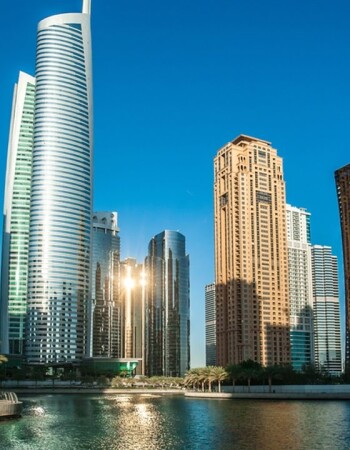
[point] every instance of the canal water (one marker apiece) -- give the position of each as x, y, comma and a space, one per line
155, 422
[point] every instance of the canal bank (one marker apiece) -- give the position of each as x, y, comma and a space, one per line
310, 392
271, 395
94, 390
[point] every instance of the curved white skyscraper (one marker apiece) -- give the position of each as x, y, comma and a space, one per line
61, 201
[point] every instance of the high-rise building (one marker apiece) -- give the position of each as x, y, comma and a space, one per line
300, 286
167, 306
61, 198
105, 313
13, 303
342, 180
326, 310
251, 257
132, 292
210, 325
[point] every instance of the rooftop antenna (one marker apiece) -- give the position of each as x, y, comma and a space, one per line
86, 6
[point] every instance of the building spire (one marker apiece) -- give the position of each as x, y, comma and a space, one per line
86, 6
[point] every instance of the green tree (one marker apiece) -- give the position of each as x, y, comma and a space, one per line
289, 375
102, 380
311, 375
234, 372
69, 375
39, 373
87, 379
19, 375
250, 369
272, 372
346, 375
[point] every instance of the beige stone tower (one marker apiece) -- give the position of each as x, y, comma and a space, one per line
251, 257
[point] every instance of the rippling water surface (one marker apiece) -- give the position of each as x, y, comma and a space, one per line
173, 422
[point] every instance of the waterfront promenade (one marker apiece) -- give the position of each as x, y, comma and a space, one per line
292, 392
95, 390
271, 395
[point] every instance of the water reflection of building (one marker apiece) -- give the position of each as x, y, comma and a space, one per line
167, 305
210, 325
105, 315
326, 310
300, 286
251, 259
132, 291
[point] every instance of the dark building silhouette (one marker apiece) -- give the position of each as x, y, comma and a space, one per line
167, 306
342, 181
105, 312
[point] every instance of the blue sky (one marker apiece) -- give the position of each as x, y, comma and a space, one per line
174, 81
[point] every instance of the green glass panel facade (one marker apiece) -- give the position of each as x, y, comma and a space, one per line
16, 216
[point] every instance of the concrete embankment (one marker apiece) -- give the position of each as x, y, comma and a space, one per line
305, 393
94, 390
9, 409
272, 396
9, 405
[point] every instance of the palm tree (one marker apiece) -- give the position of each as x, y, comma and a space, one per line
117, 381
234, 371
218, 374
271, 372
206, 377
163, 381
193, 377
144, 380
311, 374
154, 381
39, 373
250, 369
176, 382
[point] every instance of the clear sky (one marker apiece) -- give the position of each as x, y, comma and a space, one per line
175, 81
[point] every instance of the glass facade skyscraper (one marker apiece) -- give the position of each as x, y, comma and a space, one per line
132, 294
167, 306
300, 286
210, 325
13, 304
106, 309
60, 210
326, 310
